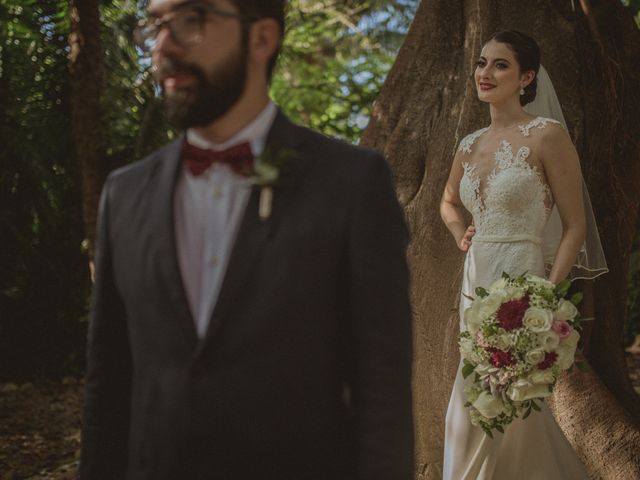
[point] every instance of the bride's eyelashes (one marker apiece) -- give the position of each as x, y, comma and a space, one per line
500, 65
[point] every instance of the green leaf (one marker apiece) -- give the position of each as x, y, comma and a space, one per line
527, 413
582, 366
577, 297
563, 287
467, 369
535, 406
499, 428
482, 292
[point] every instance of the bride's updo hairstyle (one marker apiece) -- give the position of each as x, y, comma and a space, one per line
527, 54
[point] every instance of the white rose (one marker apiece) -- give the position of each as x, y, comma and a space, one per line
572, 339
514, 293
491, 303
466, 347
472, 319
538, 319
485, 369
548, 340
565, 311
566, 356
504, 342
525, 390
542, 377
534, 357
498, 285
488, 405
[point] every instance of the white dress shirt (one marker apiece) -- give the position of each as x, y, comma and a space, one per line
208, 212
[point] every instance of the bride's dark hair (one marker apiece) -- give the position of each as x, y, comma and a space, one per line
527, 54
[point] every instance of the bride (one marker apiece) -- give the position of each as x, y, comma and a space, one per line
520, 179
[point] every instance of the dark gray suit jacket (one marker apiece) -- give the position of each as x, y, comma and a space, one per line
305, 371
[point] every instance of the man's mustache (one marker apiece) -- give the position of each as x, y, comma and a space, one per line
172, 67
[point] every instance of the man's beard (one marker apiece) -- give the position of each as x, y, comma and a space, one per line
212, 95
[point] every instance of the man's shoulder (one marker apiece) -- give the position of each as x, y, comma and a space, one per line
333, 151
149, 165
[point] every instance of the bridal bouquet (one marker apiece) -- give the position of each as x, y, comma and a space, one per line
520, 335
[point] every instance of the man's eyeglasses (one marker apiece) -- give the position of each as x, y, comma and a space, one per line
185, 24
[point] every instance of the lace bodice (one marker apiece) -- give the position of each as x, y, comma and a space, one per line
513, 200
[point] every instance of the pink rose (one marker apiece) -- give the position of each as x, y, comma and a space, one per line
562, 328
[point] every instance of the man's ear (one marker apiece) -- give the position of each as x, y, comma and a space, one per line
264, 39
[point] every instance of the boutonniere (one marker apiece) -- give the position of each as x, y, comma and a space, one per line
270, 170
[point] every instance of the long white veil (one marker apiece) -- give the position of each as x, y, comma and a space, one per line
590, 262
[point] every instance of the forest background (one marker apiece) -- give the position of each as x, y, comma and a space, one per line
334, 62
77, 100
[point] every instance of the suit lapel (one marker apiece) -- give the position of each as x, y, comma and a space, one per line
255, 232
169, 169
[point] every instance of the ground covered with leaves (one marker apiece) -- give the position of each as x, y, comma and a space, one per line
40, 427
40, 430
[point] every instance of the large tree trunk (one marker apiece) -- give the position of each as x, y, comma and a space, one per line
87, 82
427, 105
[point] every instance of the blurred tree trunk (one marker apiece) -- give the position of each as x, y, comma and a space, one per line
86, 67
427, 105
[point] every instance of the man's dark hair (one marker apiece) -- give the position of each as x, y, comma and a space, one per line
265, 9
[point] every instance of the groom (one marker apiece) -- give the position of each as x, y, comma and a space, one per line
250, 316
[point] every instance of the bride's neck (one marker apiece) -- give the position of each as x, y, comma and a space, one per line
507, 115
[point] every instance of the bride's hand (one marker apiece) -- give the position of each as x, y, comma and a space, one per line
465, 241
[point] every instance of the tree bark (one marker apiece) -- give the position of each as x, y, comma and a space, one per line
428, 103
86, 67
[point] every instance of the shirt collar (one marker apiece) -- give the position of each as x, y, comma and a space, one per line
255, 133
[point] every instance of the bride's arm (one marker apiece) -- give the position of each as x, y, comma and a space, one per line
562, 168
451, 208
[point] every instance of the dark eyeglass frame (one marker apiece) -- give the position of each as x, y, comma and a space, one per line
149, 29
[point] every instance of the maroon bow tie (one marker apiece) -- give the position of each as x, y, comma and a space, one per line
197, 160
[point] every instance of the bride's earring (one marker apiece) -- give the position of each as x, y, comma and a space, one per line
522, 91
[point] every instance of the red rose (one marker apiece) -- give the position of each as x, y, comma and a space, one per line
501, 359
510, 313
549, 359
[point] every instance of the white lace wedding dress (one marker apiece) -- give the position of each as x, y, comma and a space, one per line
510, 204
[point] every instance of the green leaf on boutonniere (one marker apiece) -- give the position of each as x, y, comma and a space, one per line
272, 169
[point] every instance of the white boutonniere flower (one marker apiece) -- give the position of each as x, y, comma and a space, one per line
269, 170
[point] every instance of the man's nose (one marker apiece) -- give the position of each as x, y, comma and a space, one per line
165, 44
